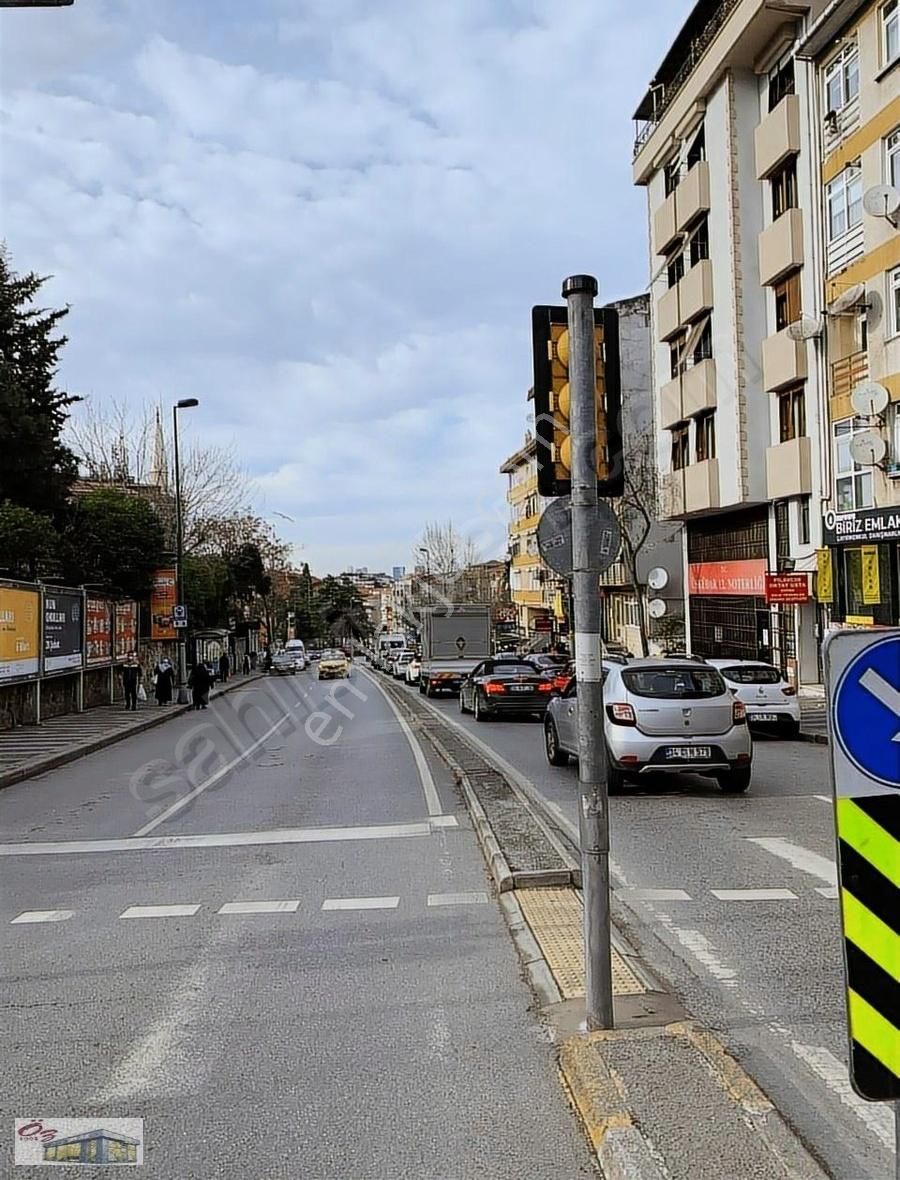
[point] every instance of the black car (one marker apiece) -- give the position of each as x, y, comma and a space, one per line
547, 662
505, 688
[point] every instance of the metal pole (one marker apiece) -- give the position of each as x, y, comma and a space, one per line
897, 1139
579, 291
179, 565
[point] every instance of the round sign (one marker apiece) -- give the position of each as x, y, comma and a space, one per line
866, 711
656, 608
554, 537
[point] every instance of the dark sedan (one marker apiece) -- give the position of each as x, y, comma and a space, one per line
505, 688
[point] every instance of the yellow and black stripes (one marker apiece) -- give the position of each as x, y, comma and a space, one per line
869, 849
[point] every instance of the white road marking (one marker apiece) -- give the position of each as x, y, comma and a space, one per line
829, 891
704, 952
230, 839
798, 856
824, 798
432, 799
883, 692
474, 898
878, 1119
360, 903
634, 894
754, 894
160, 911
260, 907
30, 916
443, 821
211, 781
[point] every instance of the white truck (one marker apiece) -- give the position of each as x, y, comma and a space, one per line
387, 647
454, 640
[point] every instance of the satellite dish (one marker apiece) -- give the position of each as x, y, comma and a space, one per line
806, 328
658, 578
656, 608
848, 300
883, 200
869, 399
867, 448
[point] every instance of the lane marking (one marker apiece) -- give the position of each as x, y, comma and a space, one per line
635, 894
160, 911
360, 903
259, 907
443, 821
229, 839
798, 856
432, 799
824, 798
474, 898
834, 1074
704, 952
754, 894
210, 782
829, 891
30, 916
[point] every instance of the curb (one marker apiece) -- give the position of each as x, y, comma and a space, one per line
536, 967
818, 739
36, 766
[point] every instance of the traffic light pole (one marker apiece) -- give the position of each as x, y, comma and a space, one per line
579, 292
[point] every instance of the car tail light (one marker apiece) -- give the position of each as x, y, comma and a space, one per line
495, 688
545, 686
738, 712
621, 714
789, 690
561, 683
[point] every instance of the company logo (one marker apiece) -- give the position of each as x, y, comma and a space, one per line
65, 1142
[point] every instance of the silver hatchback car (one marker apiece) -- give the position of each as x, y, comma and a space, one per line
661, 716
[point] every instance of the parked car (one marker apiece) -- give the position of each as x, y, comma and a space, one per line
314, 654
284, 663
333, 664
547, 663
413, 668
771, 701
504, 687
398, 666
661, 716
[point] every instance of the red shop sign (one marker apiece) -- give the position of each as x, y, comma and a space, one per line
787, 589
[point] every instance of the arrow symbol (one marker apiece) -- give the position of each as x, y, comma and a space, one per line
882, 691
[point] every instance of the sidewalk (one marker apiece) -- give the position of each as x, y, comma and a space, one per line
34, 749
813, 723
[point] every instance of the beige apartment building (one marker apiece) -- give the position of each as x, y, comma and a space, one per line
726, 154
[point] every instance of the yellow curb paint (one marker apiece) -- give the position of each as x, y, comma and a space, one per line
734, 1080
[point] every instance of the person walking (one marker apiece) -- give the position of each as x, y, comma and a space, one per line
246, 664
199, 683
163, 681
224, 666
131, 679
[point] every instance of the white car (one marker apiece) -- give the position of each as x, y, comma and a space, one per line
770, 700
413, 668
397, 667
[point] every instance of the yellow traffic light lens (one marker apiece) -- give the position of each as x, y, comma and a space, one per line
562, 348
564, 401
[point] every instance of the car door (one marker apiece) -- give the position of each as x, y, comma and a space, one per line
567, 718
468, 685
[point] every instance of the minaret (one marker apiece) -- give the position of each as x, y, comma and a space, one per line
159, 468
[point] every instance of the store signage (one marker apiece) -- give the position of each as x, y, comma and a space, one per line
825, 576
863, 527
163, 599
871, 578
728, 577
98, 629
63, 645
543, 624
786, 589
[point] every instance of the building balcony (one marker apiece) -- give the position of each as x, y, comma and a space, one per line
696, 289
778, 136
789, 469
701, 486
781, 247
698, 389
783, 361
665, 231
692, 196
668, 314
670, 404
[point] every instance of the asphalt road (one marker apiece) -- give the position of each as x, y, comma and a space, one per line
355, 1009
694, 873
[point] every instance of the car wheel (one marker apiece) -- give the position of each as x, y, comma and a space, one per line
478, 709
733, 782
555, 756
615, 780
462, 702
429, 691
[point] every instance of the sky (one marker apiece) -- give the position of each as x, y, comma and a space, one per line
328, 220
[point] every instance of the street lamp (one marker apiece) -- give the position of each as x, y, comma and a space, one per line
36, 3
186, 403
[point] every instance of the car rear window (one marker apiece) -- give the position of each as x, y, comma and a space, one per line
511, 669
758, 675
660, 683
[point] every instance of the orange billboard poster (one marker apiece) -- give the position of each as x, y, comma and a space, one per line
19, 633
163, 599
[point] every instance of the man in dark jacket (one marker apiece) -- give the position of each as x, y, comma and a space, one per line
199, 683
131, 678
224, 666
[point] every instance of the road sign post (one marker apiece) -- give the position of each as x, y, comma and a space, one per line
862, 672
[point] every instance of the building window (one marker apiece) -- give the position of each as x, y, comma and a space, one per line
852, 483
680, 447
782, 535
675, 265
705, 434
890, 31
697, 150
781, 83
894, 301
672, 175
842, 79
892, 158
843, 197
803, 533
699, 242
787, 301
784, 189
792, 414
675, 357
703, 347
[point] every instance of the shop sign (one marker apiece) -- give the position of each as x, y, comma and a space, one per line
871, 578
825, 576
163, 599
62, 630
728, 577
543, 624
19, 628
863, 527
786, 589
98, 646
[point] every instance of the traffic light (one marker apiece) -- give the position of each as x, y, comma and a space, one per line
550, 338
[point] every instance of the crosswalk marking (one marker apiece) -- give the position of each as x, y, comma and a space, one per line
634, 894
160, 911
260, 907
474, 898
360, 903
754, 894
834, 1074
829, 891
798, 856
32, 916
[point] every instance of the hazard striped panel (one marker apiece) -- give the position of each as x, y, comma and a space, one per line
869, 852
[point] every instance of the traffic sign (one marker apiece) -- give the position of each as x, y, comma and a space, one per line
862, 673
179, 622
554, 537
179, 612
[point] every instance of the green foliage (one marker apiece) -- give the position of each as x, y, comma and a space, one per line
36, 469
207, 589
247, 572
27, 541
115, 540
340, 609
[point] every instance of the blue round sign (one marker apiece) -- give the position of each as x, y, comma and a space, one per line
866, 711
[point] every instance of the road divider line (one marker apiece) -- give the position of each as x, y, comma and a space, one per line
160, 911
635, 894
360, 903
798, 856
754, 894
432, 799
259, 907
30, 917
472, 898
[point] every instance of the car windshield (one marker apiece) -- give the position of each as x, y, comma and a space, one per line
757, 674
333, 655
662, 683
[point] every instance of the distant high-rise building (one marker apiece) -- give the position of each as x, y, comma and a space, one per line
398, 572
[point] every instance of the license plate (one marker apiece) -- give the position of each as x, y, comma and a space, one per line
763, 716
689, 753
520, 688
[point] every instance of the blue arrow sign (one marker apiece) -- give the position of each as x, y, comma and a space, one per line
866, 712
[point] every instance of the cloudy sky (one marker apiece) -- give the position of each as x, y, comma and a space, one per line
328, 220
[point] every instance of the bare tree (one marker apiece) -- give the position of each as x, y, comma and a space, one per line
636, 510
444, 551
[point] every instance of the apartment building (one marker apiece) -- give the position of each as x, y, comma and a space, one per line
854, 48
724, 153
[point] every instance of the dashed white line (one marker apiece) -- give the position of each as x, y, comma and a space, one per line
360, 903
634, 894
31, 916
834, 1074
824, 798
473, 898
704, 952
260, 907
798, 856
829, 891
160, 911
754, 894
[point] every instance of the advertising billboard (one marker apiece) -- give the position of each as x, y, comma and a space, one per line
163, 599
19, 633
126, 628
63, 630
98, 627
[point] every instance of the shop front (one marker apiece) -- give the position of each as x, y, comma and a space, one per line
859, 571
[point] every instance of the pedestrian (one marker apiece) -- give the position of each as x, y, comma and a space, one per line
224, 666
199, 683
163, 680
246, 664
131, 679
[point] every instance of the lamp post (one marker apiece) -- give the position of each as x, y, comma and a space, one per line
36, 3
186, 403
